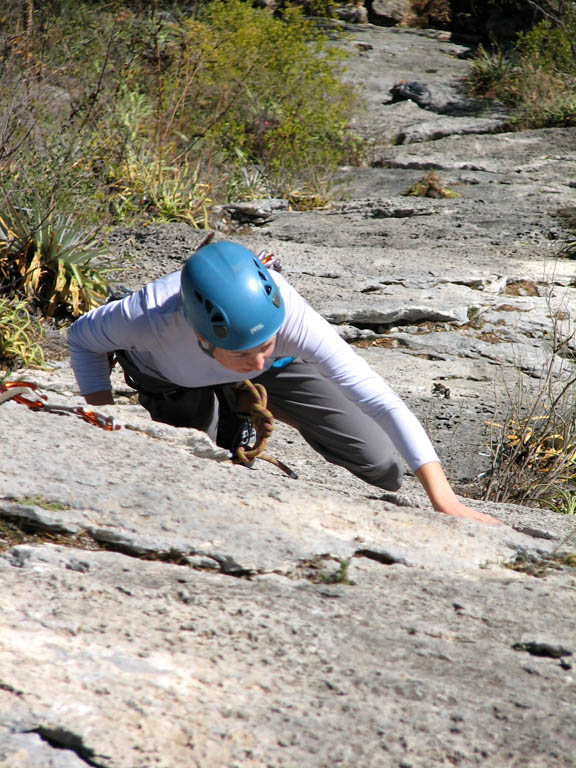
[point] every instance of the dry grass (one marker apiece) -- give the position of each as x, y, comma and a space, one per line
534, 445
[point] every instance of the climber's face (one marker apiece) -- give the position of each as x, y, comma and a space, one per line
245, 360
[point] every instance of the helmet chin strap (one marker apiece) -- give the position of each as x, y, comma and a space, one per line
207, 348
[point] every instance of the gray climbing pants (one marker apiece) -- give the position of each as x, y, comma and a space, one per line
301, 396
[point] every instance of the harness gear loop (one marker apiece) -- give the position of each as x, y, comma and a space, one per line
263, 421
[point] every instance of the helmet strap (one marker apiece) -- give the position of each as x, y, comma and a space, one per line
207, 348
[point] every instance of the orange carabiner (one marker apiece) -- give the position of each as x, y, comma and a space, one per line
21, 398
97, 419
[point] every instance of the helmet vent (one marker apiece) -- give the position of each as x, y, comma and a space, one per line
198, 296
209, 306
263, 275
218, 317
268, 289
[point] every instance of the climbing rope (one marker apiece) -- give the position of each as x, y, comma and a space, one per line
263, 422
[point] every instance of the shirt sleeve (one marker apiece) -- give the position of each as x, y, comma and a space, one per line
118, 325
306, 334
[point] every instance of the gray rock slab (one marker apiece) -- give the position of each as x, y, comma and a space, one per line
531, 357
431, 130
397, 55
134, 663
147, 495
382, 313
129, 245
535, 155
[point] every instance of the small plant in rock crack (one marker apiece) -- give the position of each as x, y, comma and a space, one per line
430, 186
534, 445
41, 501
539, 564
474, 315
315, 570
340, 576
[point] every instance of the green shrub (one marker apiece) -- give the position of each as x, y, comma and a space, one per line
254, 89
550, 45
537, 78
319, 8
490, 73
544, 100
113, 113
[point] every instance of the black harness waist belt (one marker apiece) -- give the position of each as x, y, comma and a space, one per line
150, 386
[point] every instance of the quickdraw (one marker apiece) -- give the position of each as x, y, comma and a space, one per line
19, 392
263, 421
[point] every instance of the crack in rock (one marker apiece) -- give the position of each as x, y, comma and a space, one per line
432, 130
382, 556
546, 650
39, 518
403, 315
383, 209
61, 738
33, 525
230, 567
535, 533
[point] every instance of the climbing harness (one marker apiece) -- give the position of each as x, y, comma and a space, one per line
237, 430
263, 422
19, 391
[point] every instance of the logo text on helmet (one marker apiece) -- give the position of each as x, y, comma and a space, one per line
256, 328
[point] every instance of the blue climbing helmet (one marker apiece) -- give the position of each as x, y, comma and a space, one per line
229, 298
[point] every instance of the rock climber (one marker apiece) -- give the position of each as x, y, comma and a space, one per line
187, 338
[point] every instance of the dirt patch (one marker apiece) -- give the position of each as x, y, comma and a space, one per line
522, 288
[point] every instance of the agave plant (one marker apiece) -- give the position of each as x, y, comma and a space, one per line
47, 258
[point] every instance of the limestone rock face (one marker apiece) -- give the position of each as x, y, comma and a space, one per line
389, 13
353, 13
163, 607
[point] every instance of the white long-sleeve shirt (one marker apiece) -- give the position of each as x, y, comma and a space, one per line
151, 326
